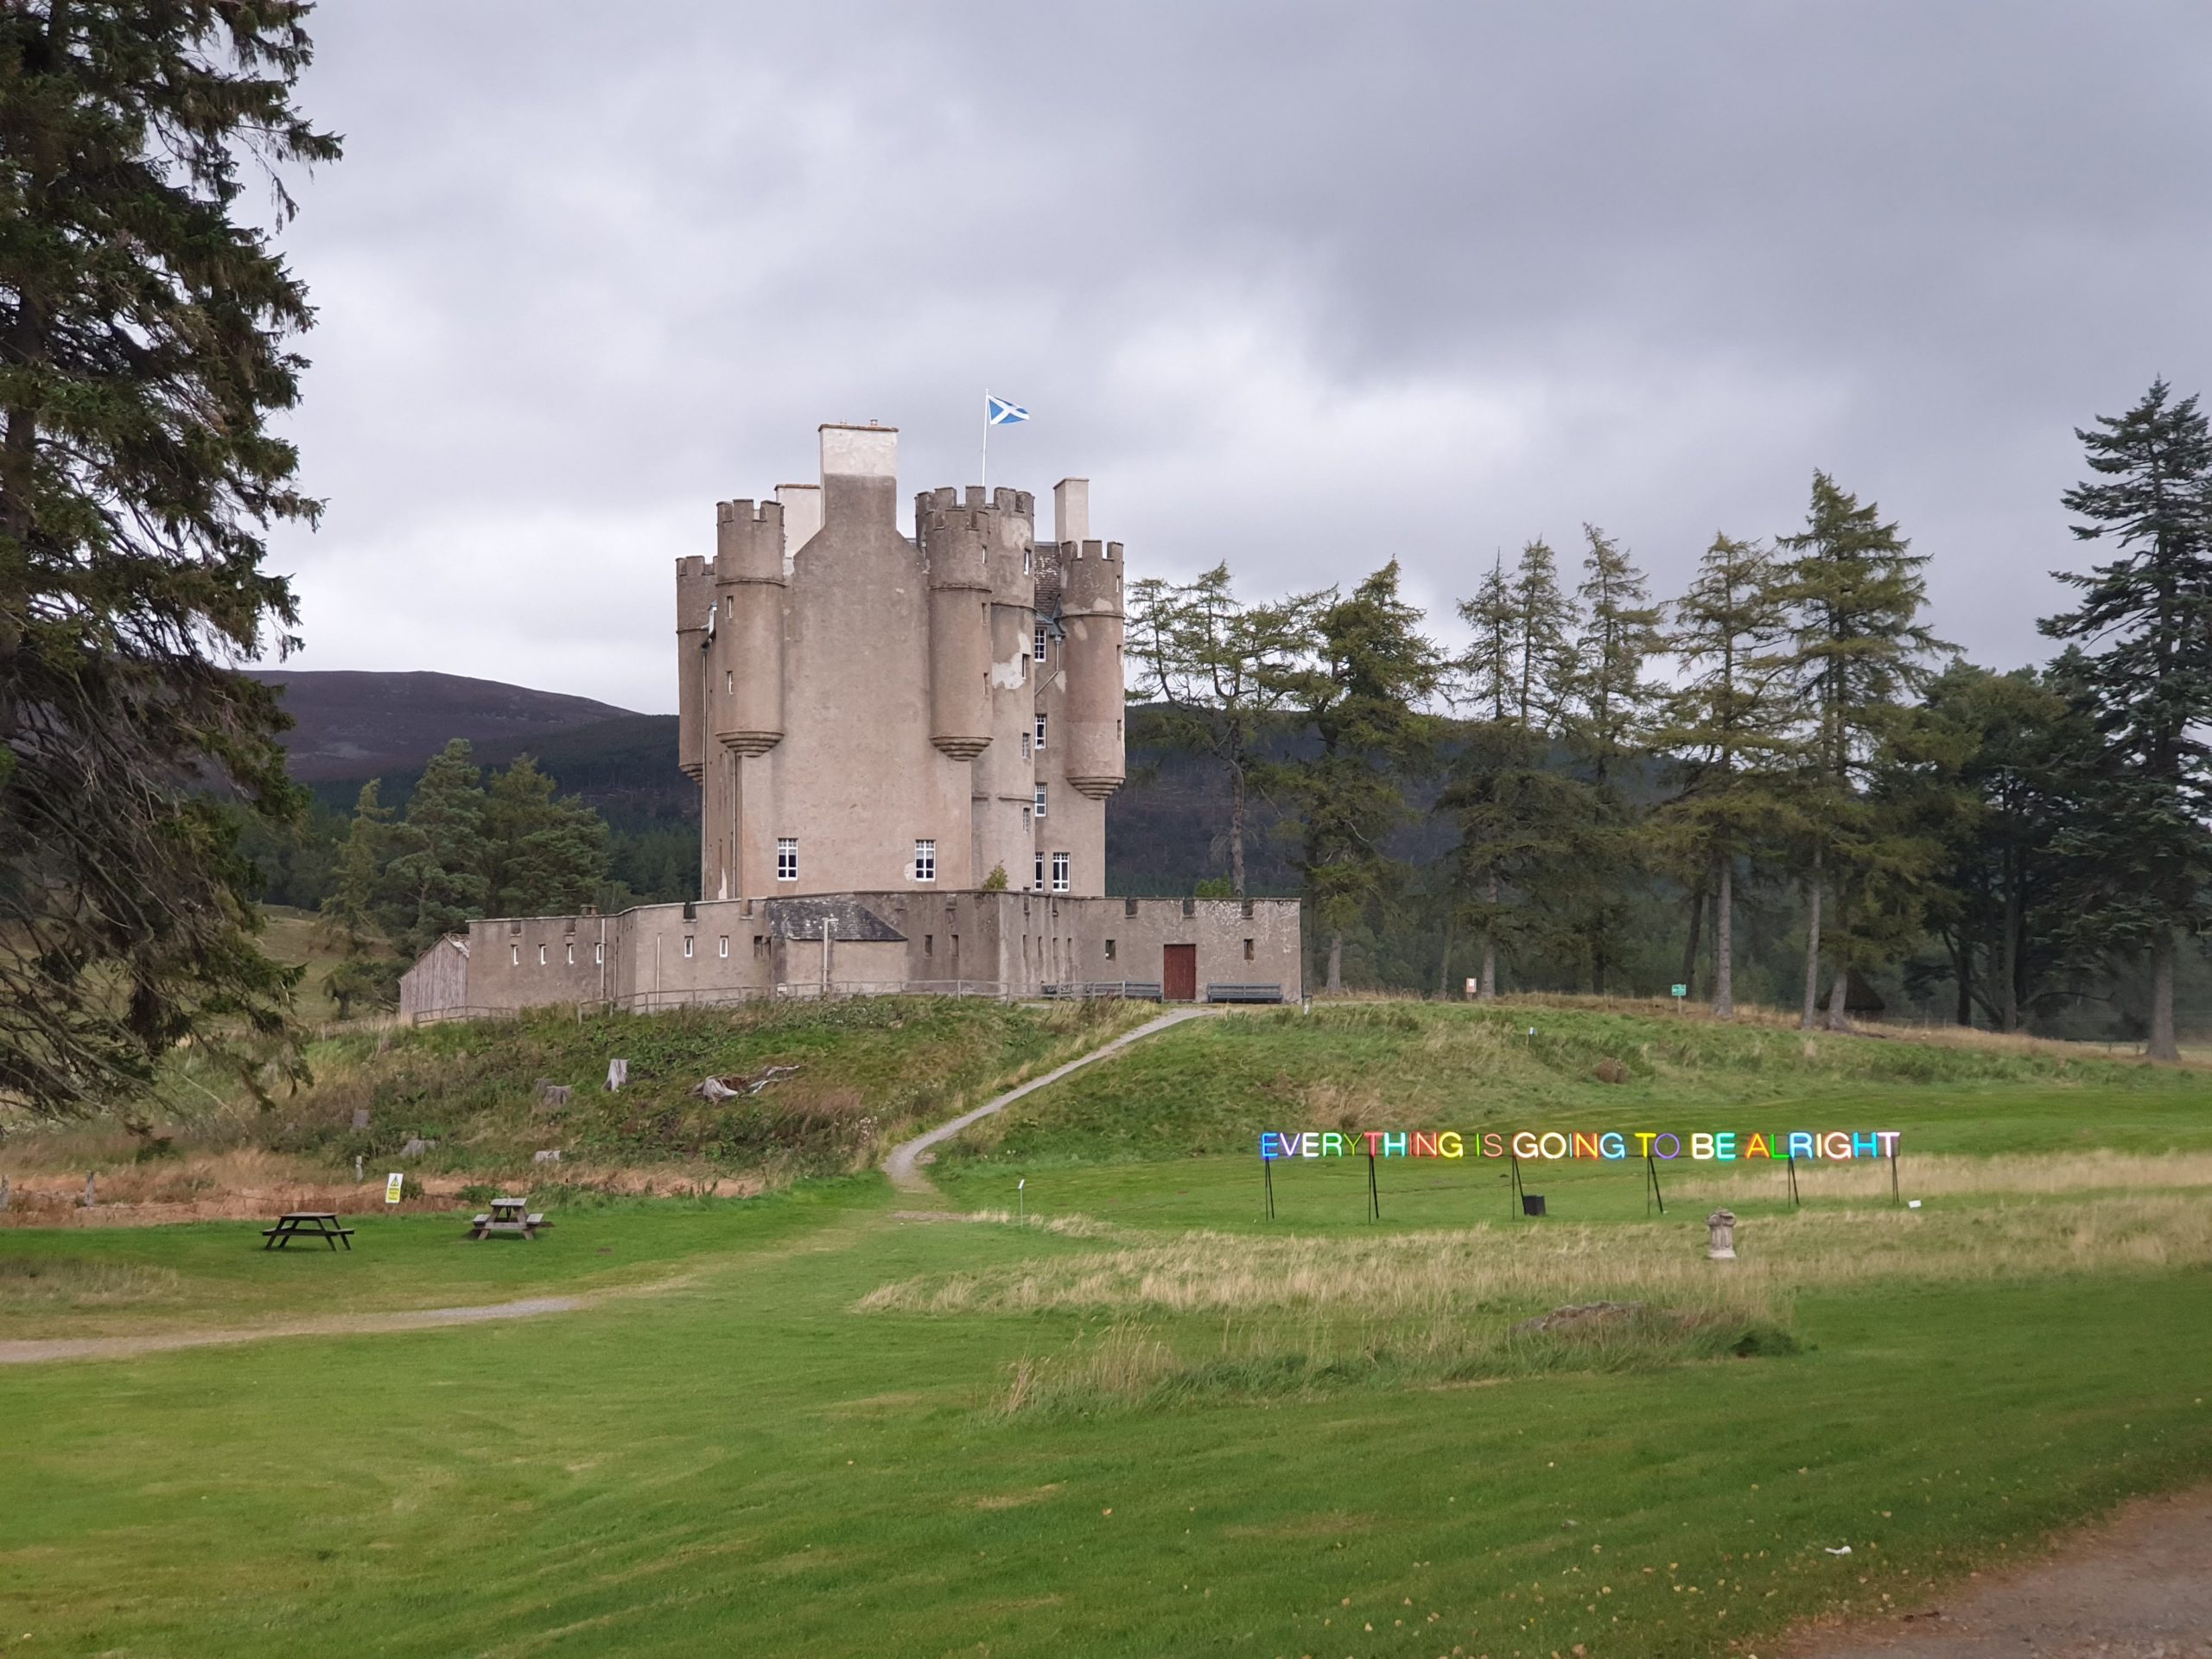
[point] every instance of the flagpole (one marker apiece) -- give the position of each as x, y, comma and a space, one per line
985, 478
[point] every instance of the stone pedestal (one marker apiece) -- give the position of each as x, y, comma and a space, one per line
1723, 1245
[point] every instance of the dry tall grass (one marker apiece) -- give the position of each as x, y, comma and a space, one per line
1497, 1270
1938, 1175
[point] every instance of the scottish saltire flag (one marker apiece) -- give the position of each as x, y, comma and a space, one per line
999, 412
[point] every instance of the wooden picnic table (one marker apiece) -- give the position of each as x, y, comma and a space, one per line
507, 1216
308, 1223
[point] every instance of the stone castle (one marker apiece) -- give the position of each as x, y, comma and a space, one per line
904, 748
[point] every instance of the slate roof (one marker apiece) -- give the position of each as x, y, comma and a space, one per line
1047, 573
849, 920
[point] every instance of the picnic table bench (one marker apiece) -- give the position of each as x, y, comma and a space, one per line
308, 1223
510, 1215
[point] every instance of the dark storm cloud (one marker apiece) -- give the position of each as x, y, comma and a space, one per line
1303, 287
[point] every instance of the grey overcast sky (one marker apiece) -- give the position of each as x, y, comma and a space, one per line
1302, 286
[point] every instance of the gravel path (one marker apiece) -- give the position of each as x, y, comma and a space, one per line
2137, 1587
903, 1165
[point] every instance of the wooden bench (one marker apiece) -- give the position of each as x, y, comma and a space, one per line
308, 1223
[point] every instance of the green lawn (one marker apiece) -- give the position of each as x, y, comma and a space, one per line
740, 1457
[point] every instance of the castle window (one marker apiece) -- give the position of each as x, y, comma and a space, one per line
1110, 950
1059, 871
597, 955
1248, 949
787, 858
1025, 745
729, 680
1038, 883
1027, 554
687, 944
725, 950
1040, 800
1039, 652
572, 954
929, 944
760, 945
514, 955
925, 861
1040, 734
1025, 817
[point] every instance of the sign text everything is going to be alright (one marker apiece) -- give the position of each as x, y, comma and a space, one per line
1719, 1146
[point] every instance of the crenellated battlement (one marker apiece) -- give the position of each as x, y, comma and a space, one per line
949, 505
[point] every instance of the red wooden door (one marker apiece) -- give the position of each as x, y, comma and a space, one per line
1178, 972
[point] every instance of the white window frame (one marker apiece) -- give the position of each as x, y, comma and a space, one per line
786, 858
572, 953
541, 955
1025, 817
1025, 745
514, 955
1040, 734
725, 947
1063, 869
599, 954
1044, 634
1037, 885
1040, 801
925, 858
687, 944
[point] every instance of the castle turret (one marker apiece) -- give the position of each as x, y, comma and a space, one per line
695, 601
745, 686
1091, 613
957, 539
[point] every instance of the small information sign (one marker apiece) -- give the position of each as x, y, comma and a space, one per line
392, 1184
1474, 988
1682, 990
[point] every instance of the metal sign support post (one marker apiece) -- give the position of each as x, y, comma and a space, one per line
1651, 1193
1795, 1203
1516, 1193
1894, 1197
1268, 1180
1374, 1192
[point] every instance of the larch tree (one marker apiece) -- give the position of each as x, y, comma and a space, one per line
1517, 816
1373, 668
1727, 726
1859, 650
1607, 718
2146, 672
144, 322
1218, 672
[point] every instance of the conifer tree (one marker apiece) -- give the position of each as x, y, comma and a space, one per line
1520, 819
1727, 726
1858, 649
543, 856
437, 875
144, 317
1546, 619
2145, 674
1373, 668
1220, 670
349, 912
1607, 712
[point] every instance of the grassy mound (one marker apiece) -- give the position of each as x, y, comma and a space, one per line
868, 1070
1212, 1086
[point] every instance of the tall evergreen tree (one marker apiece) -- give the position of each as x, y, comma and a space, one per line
143, 322
1520, 819
436, 878
1607, 714
543, 856
349, 913
1727, 725
1374, 667
1219, 670
2146, 674
1860, 650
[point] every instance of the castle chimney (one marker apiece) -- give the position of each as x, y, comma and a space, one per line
859, 472
802, 505
1071, 510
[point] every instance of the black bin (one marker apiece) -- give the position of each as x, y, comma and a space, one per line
1532, 1204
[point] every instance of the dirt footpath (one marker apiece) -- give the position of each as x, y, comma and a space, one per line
2138, 1587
